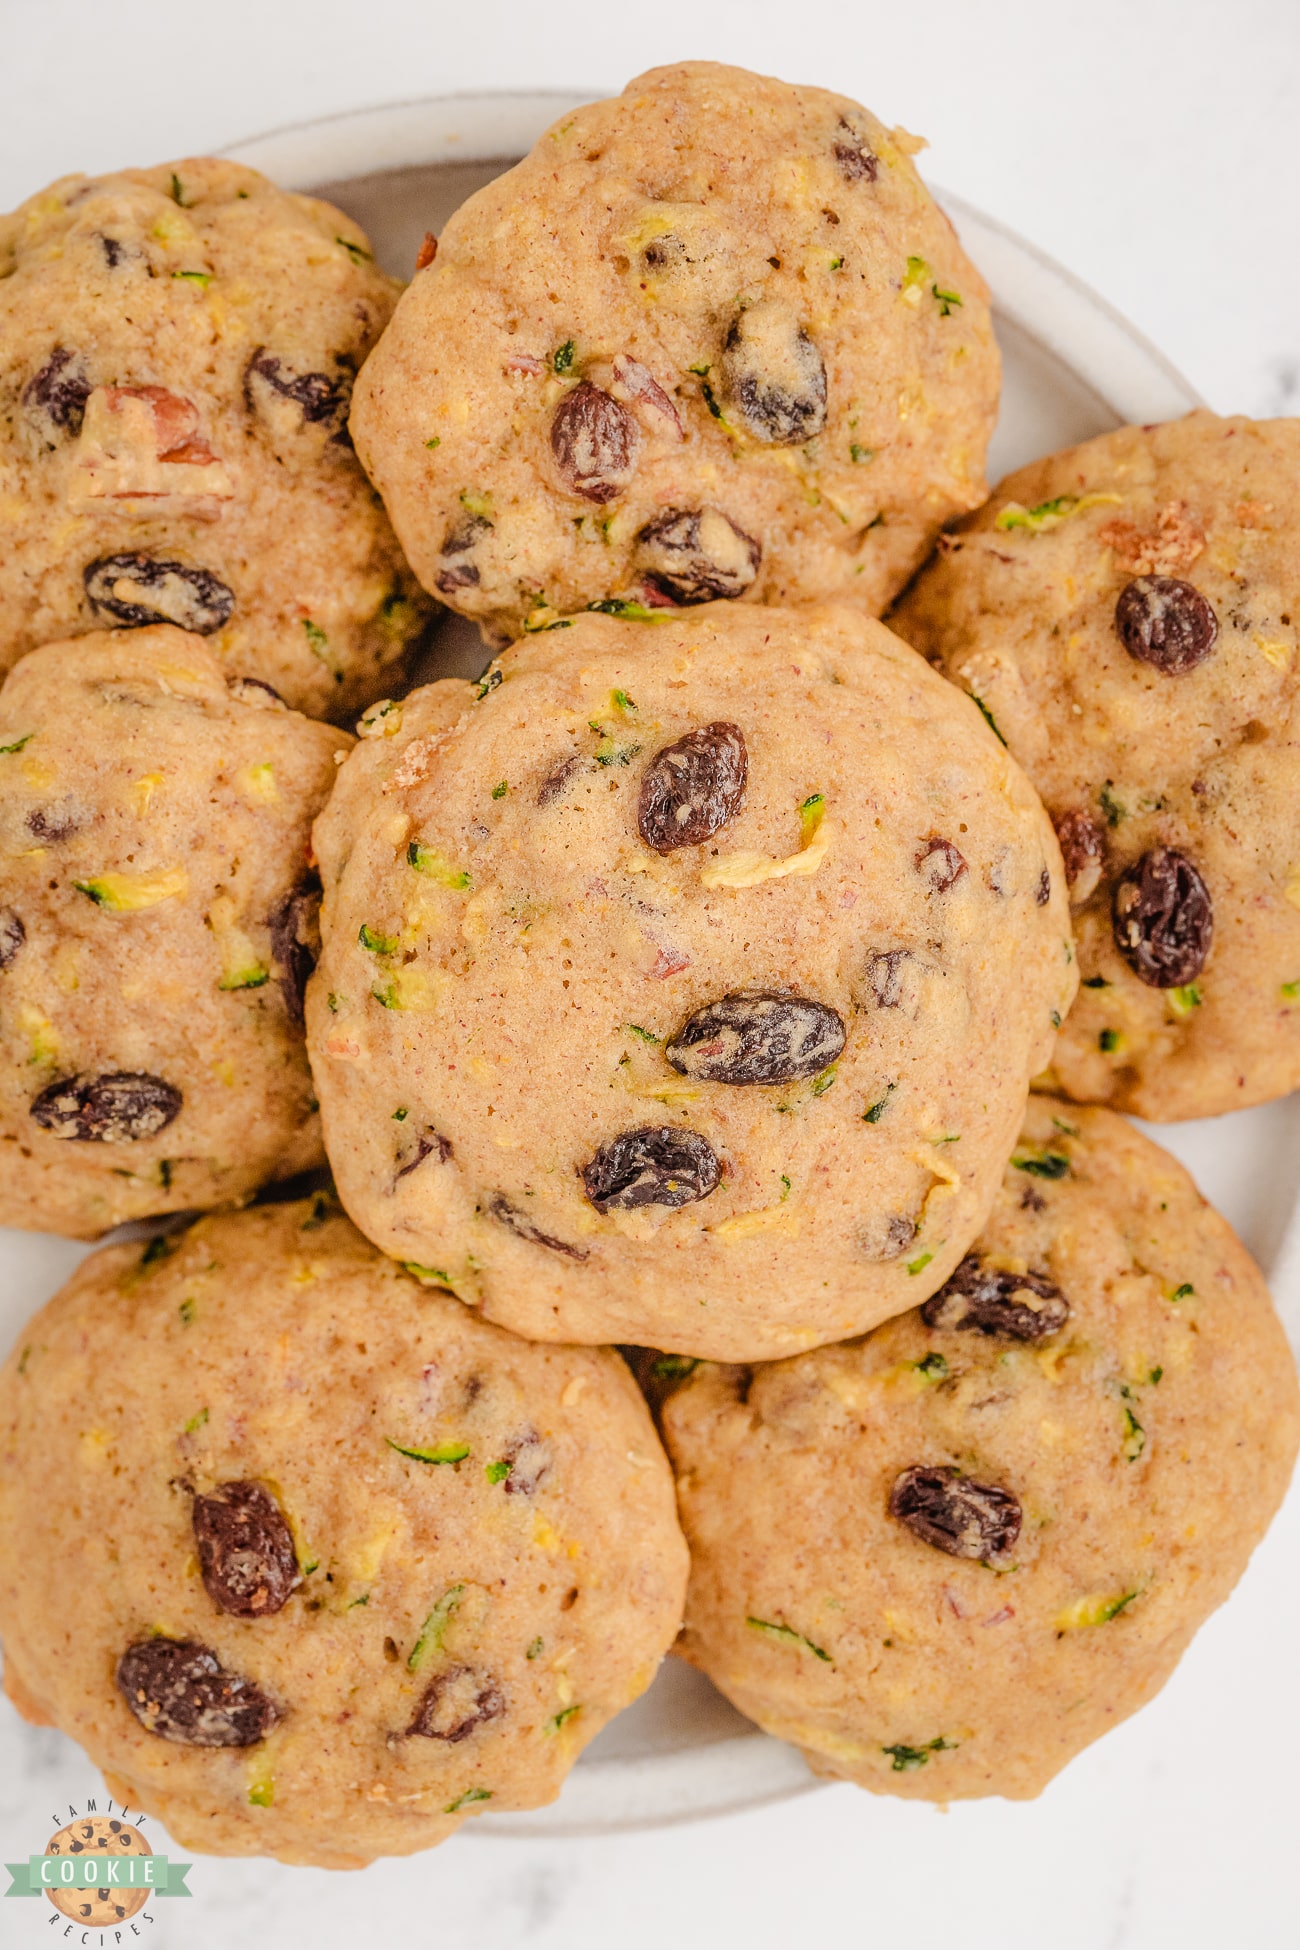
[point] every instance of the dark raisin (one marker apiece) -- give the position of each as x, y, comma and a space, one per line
693, 787
428, 1144
115, 1109
982, 1299
653, 1165
529, 1458
257, 692
856, 161
1162, 918
955, 1514
137, 590
12, 936
1083, 849
318, 396
458, 541
940, 864
888, 976
177, 1689
595, 441
1166, 623
757, 1036
698, 555
886, 1238
508, 1215
53, 823
1043, 891
774, 376
462, 575
658, 1375
553, 785
56, 396
455, 1703
115, 251
246, 1554
294, 930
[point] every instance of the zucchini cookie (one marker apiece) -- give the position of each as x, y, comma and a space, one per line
381, 1567
711, 339
157, 926
669, 951
943, 1559
1128, 613
177, 351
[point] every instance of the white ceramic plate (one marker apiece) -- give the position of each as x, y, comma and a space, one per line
1073, 368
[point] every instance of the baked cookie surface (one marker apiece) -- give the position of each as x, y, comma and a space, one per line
1127, 611
710, 339
157, 925
670, 950
943, 1559
177, 350
381, 1565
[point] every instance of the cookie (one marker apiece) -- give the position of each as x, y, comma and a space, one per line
669, 950
943, 1559
1127, 612
346, 1564
157, 925
177, 351
710, 340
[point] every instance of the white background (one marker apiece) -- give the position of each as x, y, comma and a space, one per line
1152, 147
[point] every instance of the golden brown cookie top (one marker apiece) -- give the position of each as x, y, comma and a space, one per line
669, 949
944, 1558
380, 1565
710, 339
177, 352
1125, 611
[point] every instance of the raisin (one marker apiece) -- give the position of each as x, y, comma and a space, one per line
1083, 849
698, 555
57, 394
1043, 891
553, 785
693, 787
115, 1109
257, 692
52, 824
246, 1554
757, 1036
455, 1702
318, 397
653, 1165
886, 1238
462, 575
12, 936
1162, 918
595, 441
941, 864
456, 542
955, 1514
982, 1299
157, 592
1166, 623
294, 932
428, 1144
774, 376
888, 976
529, 1458
855, 159
508, 1215
178, 1689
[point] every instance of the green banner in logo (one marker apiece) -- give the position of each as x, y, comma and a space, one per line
45, 1872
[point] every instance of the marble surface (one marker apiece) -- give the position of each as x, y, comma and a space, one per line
1148, 145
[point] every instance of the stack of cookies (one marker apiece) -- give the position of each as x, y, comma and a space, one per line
677, 988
